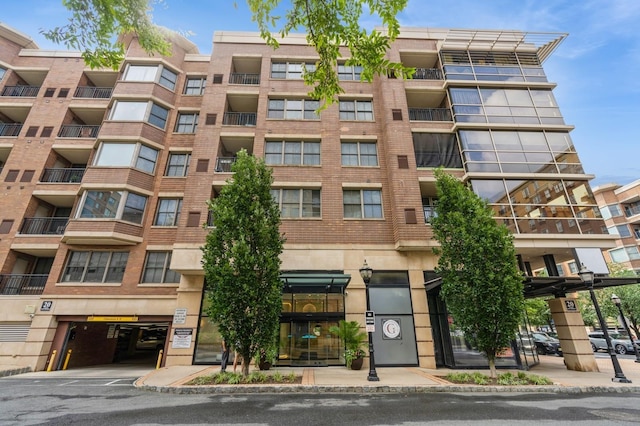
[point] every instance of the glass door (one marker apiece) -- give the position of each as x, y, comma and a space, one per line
308, 343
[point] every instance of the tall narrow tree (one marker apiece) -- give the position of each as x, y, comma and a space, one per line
481, 283
241, 260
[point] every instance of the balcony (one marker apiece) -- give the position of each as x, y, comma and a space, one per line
430, 114
43, 225
239, 119
244, 78
65, 175
428, 74
19, 284
223, 164
93, 92
78, 131
10, 129
22, 91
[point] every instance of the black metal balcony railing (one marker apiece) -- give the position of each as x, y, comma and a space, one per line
430, 114
428, 74
16, 284
68, 175
43, 225
24, 91
10, 129
223, 164
239, 118
78, 131
244, 78
93, 92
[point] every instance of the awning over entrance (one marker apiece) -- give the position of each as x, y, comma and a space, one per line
556, 286
314, 283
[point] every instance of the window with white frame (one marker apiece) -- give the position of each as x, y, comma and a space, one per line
195, 86
363, 203
290, 70
187, 122
573, 268
153, 73
356, 110
297, 203
293, 109
95, 266
621, 230
149, 112
292, 153
168, 212
359, 154
136, 155
156, 268
178, 164
349, 72
107, 204
624, 254
3, 71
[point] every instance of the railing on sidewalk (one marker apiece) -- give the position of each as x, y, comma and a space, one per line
68, 175
43, 225
16, 284
78, 131
239, 118
93, 92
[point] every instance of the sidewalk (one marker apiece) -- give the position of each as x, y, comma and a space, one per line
399, 380
341, 380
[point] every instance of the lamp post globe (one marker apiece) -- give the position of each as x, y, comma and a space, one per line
588, 277
366, 273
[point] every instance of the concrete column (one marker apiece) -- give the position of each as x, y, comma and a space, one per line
572, 333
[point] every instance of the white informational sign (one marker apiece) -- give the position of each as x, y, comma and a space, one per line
182, 338
111, 331
180, 316
371, 328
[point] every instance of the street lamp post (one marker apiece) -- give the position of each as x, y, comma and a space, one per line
616, 301
587, 277
366, 272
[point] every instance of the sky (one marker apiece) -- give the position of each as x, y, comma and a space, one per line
596, 68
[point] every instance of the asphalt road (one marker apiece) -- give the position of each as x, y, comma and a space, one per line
114, 402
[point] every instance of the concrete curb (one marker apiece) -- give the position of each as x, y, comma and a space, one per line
312, 389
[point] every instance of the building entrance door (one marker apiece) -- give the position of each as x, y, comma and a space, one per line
308, 343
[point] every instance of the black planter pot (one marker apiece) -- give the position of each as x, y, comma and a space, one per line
264, 365
356, 364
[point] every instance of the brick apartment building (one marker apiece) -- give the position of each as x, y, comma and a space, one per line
105, 177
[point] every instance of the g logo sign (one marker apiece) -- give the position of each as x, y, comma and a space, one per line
391, 329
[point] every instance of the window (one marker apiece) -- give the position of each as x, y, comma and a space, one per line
187, 122
297, 202
3, 71
293, 109
359, 154
136, 155
573, 268
356, 110
292, 153
156, 268
178, 164
362, 203
621, 230
624, 254
168, 212
195, 86
349, 72
140, 111
95, 266
167, 77
113, 205
290, 70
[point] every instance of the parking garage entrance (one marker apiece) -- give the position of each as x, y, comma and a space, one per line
109, 340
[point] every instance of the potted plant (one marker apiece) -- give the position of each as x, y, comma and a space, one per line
266, 357
354, 340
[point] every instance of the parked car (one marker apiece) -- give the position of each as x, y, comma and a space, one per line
621, 344
152, 339
546, 345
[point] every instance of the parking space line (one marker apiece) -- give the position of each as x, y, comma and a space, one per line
67, 383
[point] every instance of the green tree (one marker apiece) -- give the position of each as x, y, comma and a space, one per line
95, 26
481, 283
538, 312
241, 260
